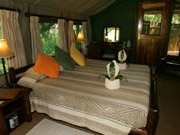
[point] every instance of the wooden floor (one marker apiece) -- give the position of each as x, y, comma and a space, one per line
169, 105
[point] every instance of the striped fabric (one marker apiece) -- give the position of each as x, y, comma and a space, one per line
30, 77
80, 98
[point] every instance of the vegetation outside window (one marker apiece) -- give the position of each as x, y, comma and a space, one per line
77, 27
1, 66
152, 22
111, 34
174, 42
49, 35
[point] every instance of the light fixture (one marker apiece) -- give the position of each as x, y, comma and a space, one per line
4, 53
80, 38
106, 38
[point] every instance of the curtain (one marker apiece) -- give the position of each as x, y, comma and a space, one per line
71, 38
62, 34
11, 33
89, 31
35, 37
84, 27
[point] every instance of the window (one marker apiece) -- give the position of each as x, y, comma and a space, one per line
1, 66
49, 35
174, 42
77, 27
111, 34
152, 22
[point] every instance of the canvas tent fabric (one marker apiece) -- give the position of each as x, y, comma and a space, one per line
84, 7
11, 32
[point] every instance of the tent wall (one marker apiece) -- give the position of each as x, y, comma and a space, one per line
25, 25
121, 13
24, 21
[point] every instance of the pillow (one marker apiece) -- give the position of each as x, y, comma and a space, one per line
47, 65
63, 58
30, 77
77, 56
61, 68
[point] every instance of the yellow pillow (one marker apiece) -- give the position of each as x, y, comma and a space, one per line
77, 56
47, 65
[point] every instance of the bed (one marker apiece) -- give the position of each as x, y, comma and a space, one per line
80, 98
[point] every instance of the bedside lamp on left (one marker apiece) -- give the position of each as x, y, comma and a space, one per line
4, 53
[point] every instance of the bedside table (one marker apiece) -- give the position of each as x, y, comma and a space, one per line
20, 105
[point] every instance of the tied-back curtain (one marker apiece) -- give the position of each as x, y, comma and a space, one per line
62, 34
71, 38
89, 31
35, 38
84, 27
11, 33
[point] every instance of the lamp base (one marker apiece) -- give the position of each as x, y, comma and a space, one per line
6, 86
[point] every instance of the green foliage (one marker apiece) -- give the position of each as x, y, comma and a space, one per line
77, 29
122, 55
112, 69
173, 48
1, 66
153, 18
119, 77
49, 37
176, 19
112, 73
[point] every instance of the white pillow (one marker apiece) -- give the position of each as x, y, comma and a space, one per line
30, 77
61, 68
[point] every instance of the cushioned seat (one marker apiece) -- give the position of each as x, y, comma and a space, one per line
108, 56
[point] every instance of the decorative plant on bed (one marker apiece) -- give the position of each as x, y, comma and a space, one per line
113, 77
122, 56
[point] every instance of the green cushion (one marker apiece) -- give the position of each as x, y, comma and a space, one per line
63, 58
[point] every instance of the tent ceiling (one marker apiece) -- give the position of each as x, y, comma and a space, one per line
83, 7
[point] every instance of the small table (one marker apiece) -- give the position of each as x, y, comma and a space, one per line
20, 105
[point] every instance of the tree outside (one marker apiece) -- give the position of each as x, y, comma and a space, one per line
77, 29
49, 37
1, 66
173, 47
152, 22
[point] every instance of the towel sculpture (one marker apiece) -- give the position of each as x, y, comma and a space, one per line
112, 71
122, 56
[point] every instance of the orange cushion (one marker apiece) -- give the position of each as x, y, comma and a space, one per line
47, 65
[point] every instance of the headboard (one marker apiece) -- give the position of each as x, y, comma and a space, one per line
15, 74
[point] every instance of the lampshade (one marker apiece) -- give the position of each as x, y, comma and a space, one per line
80, 37
4, 49
106, 38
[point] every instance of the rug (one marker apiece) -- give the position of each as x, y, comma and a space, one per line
48, 127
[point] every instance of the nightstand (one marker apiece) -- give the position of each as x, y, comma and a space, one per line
20, 105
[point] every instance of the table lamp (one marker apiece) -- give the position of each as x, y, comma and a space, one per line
106, 38
80, 38
4, 53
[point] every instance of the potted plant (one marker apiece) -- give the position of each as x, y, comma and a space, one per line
113, 77
122, 56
